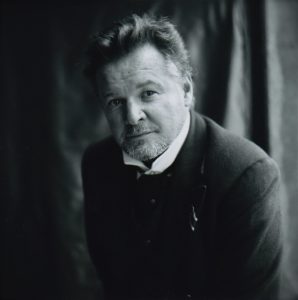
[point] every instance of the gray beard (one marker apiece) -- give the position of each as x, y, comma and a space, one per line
143, 151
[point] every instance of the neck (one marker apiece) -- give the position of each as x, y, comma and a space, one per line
148, 163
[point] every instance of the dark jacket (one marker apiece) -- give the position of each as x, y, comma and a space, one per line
220, 234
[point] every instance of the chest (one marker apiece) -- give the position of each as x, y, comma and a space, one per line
150, 237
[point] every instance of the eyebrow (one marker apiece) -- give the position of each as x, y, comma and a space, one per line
148, 82
139, 85
108, 94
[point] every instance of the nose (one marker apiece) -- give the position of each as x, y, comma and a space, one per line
134, 113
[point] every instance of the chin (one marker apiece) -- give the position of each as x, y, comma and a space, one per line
143, 150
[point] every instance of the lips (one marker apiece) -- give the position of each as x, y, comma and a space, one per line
136, 135
138, 131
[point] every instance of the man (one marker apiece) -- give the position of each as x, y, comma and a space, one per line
176, 207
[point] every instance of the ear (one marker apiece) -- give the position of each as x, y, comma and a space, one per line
188, 91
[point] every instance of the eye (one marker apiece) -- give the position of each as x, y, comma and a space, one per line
148, 93
114, 103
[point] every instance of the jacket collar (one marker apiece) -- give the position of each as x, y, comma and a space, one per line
190, 161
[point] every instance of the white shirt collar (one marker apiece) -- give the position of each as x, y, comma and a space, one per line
167, 158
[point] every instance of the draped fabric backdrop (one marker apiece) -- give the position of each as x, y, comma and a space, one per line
245, 56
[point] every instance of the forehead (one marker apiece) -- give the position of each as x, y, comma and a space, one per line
144, 61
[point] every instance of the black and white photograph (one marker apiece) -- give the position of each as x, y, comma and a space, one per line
149, 150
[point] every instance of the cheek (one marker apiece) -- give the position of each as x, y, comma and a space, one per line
174, 108
172, 116
166, 120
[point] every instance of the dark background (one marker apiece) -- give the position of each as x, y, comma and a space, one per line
246, 58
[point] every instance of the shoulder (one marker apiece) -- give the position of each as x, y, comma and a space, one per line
99, 148
100, 152
99, 158
230, 157
231, 148
100, 164
244, 200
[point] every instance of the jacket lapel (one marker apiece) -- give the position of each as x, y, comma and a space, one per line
184, 205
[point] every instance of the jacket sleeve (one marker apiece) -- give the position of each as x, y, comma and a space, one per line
249, 244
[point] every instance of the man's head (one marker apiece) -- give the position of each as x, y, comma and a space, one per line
141, 73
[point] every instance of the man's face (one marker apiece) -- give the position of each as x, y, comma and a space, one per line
145, 101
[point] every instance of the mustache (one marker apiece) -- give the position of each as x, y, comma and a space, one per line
139, 129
